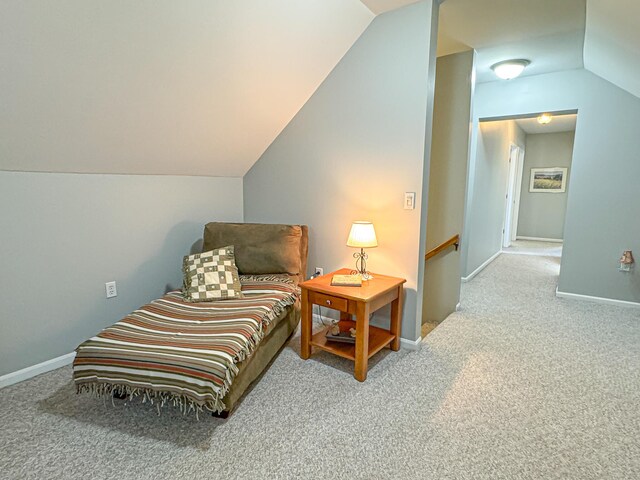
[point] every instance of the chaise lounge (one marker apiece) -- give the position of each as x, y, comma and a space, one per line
205, 355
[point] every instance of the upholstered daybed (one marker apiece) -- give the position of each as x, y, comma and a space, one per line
204, 356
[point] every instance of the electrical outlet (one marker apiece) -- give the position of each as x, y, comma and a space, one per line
111, 289
319, 271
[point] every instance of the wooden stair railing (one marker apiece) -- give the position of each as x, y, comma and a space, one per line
453, 241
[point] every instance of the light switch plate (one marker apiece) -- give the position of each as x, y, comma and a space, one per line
409, 200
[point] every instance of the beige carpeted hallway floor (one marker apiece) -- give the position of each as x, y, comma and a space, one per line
534, 247
519, 384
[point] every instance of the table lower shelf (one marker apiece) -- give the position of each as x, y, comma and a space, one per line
378, 339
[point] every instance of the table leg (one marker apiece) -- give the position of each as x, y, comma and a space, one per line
362, 341
396, 319
305, 346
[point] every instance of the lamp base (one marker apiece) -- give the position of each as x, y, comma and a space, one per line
361, 265
364, 275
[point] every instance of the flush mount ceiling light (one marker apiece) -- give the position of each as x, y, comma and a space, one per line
545, 118
509, 68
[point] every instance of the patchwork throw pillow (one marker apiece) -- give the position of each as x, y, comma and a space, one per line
211, 276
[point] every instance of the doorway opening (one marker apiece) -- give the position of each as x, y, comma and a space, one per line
493, 210
539, 166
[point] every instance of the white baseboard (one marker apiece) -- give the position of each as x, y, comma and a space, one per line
410, 344
32, 371
458, 307
603, 300
481, 267
540, 239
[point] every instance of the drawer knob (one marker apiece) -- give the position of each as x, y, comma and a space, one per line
328, 302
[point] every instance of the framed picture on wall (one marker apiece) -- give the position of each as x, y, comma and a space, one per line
548, 180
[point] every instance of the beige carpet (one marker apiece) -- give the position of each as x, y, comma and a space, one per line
534, 247
518, 385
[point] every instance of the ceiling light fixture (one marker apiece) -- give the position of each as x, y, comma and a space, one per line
509, 68
545, 118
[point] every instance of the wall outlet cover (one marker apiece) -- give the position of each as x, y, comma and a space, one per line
111, 289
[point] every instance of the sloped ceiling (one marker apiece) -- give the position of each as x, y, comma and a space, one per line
381, 6
161, 87
612, 42
550, 33
485, 23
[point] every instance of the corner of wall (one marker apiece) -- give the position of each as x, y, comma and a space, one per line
362, 150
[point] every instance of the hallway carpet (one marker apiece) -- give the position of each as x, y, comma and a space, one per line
517, 385
534, 247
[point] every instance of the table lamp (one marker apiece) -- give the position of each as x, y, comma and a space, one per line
362, 235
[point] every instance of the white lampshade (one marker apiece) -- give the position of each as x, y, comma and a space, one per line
362, 235
509, 69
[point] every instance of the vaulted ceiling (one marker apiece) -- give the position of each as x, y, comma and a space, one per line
158, 88
612, 42
381, 6
548, 32
161, 87
603, 37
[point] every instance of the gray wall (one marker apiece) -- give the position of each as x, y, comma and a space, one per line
353, 149
603, 206
487, 187
541, 215
447, 180
62, 236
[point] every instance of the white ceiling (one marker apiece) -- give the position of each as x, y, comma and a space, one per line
381, 6
560, 123
161, 87
601, 36
485, 23
612, 42
550, 33
552, 53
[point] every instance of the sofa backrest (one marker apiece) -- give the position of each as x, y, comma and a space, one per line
262, 248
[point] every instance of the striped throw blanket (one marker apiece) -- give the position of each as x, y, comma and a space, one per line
179, 352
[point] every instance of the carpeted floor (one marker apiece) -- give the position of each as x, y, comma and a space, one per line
519, 384
534, 247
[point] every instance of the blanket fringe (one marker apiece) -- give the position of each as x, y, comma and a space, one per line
153, 397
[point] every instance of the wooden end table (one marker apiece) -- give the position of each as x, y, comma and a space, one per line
361, 302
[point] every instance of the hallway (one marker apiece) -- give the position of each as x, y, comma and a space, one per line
551, 384
534, 247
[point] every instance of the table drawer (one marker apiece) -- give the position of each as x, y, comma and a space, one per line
328, 301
